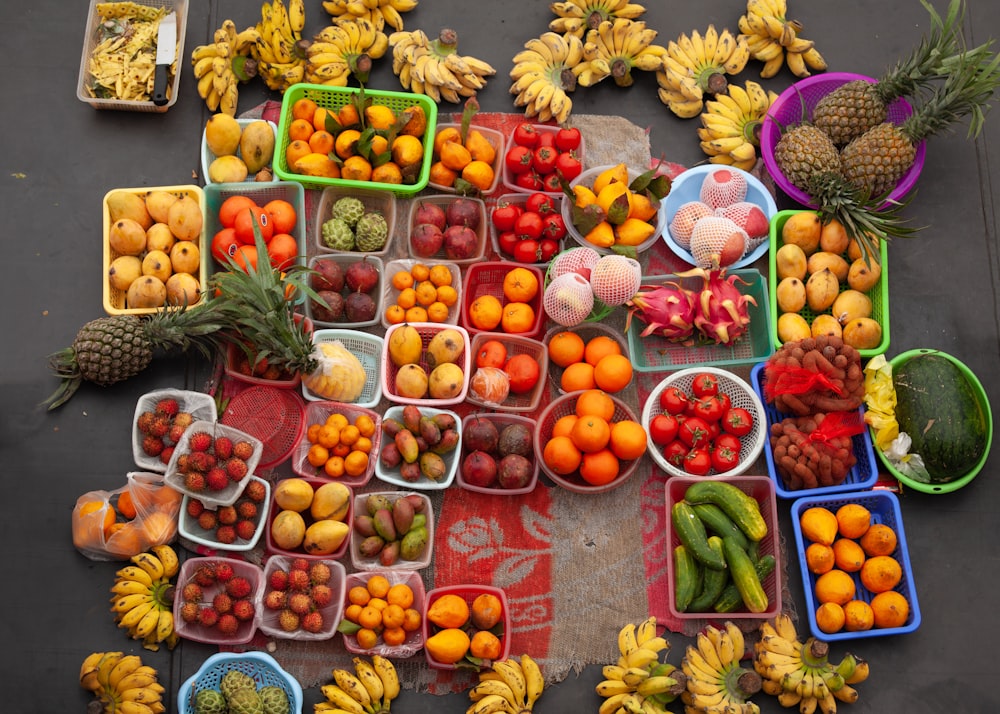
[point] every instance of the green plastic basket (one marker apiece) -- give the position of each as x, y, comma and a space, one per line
334, 98
879, 294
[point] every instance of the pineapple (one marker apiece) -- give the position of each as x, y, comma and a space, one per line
803, 151
855, 107
876, 160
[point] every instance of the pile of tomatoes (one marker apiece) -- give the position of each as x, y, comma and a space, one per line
539, 159
701, 431
529, 230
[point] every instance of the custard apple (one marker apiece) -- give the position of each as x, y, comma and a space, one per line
245, 701
210, 701
371, 232
348, 209
234, 680
274, 699
338, 235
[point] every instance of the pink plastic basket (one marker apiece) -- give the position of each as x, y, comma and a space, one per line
390, 295
427, 331
414, 640
521, 201
516, 345
370, 563
796, 104
331, 612
502, 421
487, 279
496, 140
444, 200
318, 413
274, 416
237, 365
468, 593
560, 407
273, 510
198, 632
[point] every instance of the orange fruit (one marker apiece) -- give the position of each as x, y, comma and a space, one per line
233, 206
159, 527
517, 317
337, 419
590, 433
296, 150
598, 347
352, 611
407, 151
402, 279
394, 314
819, 525
356, 168
363, 444
378, 586
881, 573
387, 173
600, 467
628, 440
349, 434
835, 586
317, 455
890, 609
448, 295
245, 257
413, 620
346, 144
126, 506
485, 312
379, 116
437, 311
319, 117
283, 215
479, 173
367, 638
440, 275
448, 133
520, 285
334, 467
300, 130
564, 425
491, 353
329, 436
449, 610
378, 603
356, 463
613, 373
485, 644
394, 636
407, 298
879, 539
561, 455
819, 558
348, 115
400, 594
848, 555
442, 175
426, 293
94, 507
577, 376
393, 616
321, 142
304, 108
523, 372
830, 617
853, 520
595, 402
365, 424
858, 616
565, 348
370, 617
420, 272
312, 433
282, 250
417, 313
487, 610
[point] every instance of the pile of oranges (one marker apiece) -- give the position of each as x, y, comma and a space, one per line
597, 363
339, 447
590, 442
426, 294
354, 146
472, 160
514, 313
380, 612
843, 545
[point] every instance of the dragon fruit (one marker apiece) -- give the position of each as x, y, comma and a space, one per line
668, 310
721, 312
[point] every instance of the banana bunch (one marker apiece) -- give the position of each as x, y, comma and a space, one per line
279, 51
369, 689
639, 683
697, 65
122, 683
730, 125
800, 673
511, 686
615, 47
544, 74
378, 12
576, 17
716, 682
435, 68
342, 49
775, 40
142, 598
221, 66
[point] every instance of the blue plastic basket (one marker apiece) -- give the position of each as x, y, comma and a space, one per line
884, 508
862, 476
262, 667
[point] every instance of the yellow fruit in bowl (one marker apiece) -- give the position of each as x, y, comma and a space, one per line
146, 292
157, 263
127, 237
185, 218
227, 169
293, 494
411, 381
222, 134
185, 257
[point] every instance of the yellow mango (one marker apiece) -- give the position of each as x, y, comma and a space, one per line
618, 172
634, 231
602, 235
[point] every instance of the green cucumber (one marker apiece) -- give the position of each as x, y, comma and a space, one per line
691, 532
936, 405
687, 578
716, 520
713, 582
730, 599
744, 575
738, 505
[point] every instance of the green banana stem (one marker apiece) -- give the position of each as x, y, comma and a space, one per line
445, 44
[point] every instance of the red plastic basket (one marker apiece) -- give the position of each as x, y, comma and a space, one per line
198, 632
502, 421
469, 594
444, 200
273, 510
586, 331
317, 413
516, 345
270, 414
414, 641
427, 331
235, 354
487, 279
331, 612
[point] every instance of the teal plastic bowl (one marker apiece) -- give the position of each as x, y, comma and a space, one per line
984, 403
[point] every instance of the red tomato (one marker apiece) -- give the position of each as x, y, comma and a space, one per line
529, 181
737, 421
568, 138
523, 372
508, 240
698, 462
552, 183
673, 400
245, 221
504, 215
728, 441
724, 459
727, 402
568, 166
708, 408
546, 249
492, 353
674, 453
695, 432
544, 159
518, 159
540, 203
546, 138
525, 134
526, 251
705, 384
528, 225
224, 246
553, 226
663, 429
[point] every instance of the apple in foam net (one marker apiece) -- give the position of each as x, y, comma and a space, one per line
747, 216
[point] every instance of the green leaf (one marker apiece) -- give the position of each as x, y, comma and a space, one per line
618, 210
585, 219
628, 251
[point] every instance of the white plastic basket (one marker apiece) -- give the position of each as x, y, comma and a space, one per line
451, 459
368, 349
193, 537
207, 157
228, 495
200, 405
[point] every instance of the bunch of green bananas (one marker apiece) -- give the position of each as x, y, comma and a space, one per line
141, 597
696, 66
544, 74
615, 47
435, 68
347, 47
730, 130
575, 17
800, 673
220, 66
716, 682
122, 683
379, 12
775, 41
369, 689
639, 683
510, 685
279, 50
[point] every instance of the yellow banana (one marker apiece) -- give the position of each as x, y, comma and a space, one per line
699, 665
133, 707
296, 15
150, 563
203, 51
814, 60
492, 687
127, 664
168, 559
353, 686
772, 66
538, 46
369, 679
130, 619
143, 676
164, 625
490, 704
89, 669
534, 682
611, 687
134, 572
146, 624
613, 703
510, 671
738, 58
684, 108
846, 694
124, 603
341, 699
384, 667
128, 587
627, 639
796, 64
557, 45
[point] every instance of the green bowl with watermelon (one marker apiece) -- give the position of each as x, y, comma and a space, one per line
956, 403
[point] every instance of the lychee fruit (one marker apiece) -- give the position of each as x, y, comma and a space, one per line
192, 592
299, 564
246, 509
144, 422
319, 573
168, 406
225, 534
227, 515
298, 580
189, 612
195, 507
166, 454
239, 587
228, 624
176, 432
615, 279
159, 426
682, 224
278, 580
236, 468
244, 610
245, 529
313, 622
321, 595
204, 575
299, 603
222, 603
255, 491
208, 617
276, 600
152, 445
243, 450
223, 447
288, 620
723, 187
207, 520
216, 479
223, 571
184, 419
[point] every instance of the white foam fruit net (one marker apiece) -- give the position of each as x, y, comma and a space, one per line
723, 187
738, 213
710, 236
568, 299
615, 279
573, 260
682, 224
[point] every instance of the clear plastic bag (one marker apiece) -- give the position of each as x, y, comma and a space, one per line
115, 525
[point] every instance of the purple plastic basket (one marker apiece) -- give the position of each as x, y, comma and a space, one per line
788, 110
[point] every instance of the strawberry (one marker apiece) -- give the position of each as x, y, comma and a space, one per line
223, 447
200, 441
313, 622
168, 407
